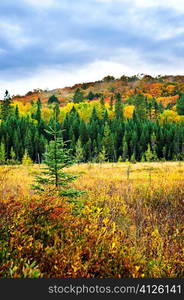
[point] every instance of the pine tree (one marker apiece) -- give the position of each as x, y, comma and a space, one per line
12, 160
90, 95
180, 104
6, 106
102, 155
133, 159
105, 116
140, 106
38, 112
153, 146
111, 103
29, 141
53, 99
94, 116
2, 154
148, 154
78, 96
102, 100
65, 127
17, 112
118, 107
124, 149
120, 159
108, 143
57, 157
79, 151
83, 132
88, 150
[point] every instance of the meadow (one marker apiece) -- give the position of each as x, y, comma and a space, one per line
129, 223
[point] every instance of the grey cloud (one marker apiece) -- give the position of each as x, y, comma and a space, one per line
104, 28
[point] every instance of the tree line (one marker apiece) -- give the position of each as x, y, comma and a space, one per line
140, 138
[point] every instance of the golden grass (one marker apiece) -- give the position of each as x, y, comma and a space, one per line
94, 175
144, 201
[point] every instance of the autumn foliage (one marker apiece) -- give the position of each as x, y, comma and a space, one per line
129, 224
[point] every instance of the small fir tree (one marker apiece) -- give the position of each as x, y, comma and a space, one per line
79, 151
26, 160
133, 159
120, 159
2, 154
102, 155
12, 160
148, 154
57, 157
124, 149
180, 104
6, 107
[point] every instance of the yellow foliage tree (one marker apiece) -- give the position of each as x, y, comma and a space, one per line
128, 111
170, 116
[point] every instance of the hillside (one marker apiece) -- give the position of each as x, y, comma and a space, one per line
164, 88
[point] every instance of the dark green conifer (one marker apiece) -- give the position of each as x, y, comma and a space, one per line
57, 157
6, 107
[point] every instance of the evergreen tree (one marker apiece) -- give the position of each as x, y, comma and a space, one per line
124, 149
102, 100
2, 154
133, 159
6, 107
78, 96
57, 158
118, 107
75, 126
180, 104
154, 146
65, 128
120, 159
90, 95
88, 150
83, 132
53, 99
29, 142
102, 155
79, 151
38, 111
111, 102
148, 154
94, 116
12, 160
108, 143
140, 106
105, 116
94, 150
17, 112
13, 155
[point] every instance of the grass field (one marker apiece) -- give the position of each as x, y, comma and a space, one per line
129, 223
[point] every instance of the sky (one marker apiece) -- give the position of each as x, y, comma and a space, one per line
51, 44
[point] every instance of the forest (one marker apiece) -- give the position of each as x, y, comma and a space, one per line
98, 126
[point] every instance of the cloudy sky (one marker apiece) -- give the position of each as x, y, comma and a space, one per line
56, 43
